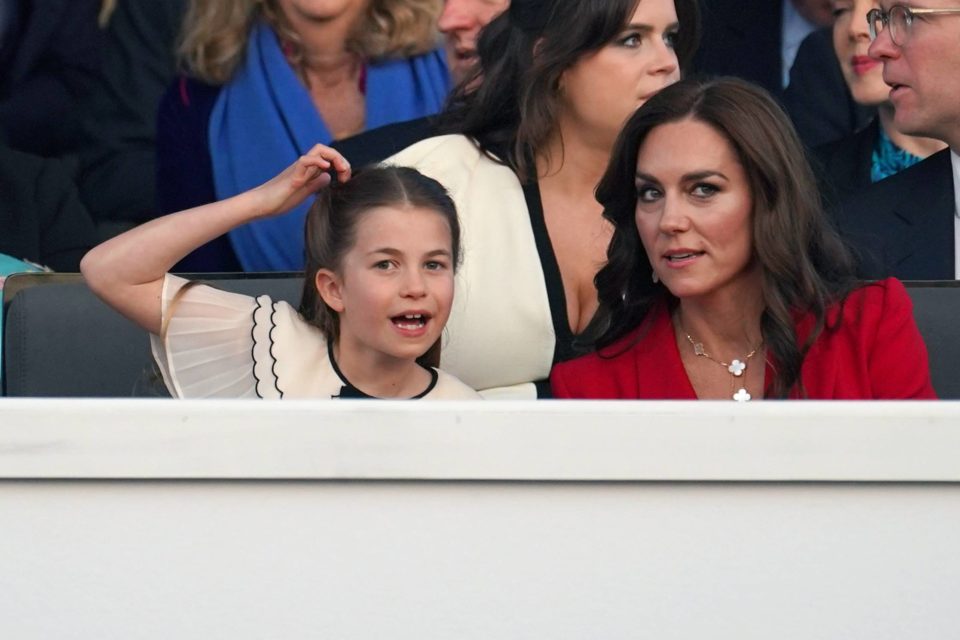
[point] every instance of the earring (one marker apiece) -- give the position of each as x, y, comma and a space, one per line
654, 277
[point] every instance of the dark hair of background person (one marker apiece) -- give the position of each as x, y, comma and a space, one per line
804, 265
510, 102
331, 230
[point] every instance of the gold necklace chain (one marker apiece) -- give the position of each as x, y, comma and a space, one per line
735, 368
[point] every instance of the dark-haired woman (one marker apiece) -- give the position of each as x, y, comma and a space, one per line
533, 130
724, 279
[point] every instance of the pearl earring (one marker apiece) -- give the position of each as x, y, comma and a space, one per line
654, 277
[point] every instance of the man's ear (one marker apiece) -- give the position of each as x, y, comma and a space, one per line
330, 289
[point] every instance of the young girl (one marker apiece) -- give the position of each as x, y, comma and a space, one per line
382, 249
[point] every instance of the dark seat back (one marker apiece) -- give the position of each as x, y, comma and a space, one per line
61, 340
936, 308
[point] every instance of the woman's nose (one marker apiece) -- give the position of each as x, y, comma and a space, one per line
673, 217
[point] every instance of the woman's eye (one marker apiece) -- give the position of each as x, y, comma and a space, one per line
383, 265
647, 193
840, 8
704, 190
435, 265
632, 40
671, 38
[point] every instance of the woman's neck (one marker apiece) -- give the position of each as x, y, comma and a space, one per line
921, 147
574, 162
378, 374
326, 58
727, 324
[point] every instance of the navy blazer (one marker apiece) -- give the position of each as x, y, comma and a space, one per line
903, 226
843, 167
41, 216
46, 70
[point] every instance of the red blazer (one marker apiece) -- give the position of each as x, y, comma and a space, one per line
875, 353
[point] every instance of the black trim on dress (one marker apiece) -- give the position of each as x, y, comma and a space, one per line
563, 348
349, 391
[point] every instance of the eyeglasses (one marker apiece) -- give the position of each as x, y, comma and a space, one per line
900, 20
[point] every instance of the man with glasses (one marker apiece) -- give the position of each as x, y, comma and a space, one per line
907, 225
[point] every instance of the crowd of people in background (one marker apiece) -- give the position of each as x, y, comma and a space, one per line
594, 164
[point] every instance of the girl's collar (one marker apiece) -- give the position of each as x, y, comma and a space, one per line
350, 391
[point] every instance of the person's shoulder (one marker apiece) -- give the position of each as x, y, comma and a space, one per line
870, 306
290, 355
902, 184
189, 94
449, 387
474, 179
880, 295
848, 148
373, 145
864, 215
449, 145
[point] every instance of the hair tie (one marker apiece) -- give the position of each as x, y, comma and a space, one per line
531, 16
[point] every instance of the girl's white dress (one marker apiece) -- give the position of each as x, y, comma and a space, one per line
226, 345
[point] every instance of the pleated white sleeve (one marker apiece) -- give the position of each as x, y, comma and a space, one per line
207, 351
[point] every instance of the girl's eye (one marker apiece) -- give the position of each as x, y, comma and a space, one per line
671, 38
435, 265
648, 193
383, 265
632, 40
704, 190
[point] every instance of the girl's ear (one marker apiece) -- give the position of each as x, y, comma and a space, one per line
329, 287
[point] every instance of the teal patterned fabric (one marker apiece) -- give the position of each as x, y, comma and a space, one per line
888, 158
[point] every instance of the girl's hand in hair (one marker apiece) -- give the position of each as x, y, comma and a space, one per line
310, 173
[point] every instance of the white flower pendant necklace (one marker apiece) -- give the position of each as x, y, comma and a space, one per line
736, 368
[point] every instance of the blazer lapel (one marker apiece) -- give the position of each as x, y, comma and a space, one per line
925, 212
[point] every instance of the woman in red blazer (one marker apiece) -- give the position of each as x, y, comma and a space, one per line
724, 278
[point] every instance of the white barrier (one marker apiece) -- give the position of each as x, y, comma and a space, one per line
161, 519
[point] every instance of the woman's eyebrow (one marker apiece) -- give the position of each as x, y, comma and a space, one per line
638, 26
645, 177
706, 173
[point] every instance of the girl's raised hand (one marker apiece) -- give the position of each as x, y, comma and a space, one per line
306, 176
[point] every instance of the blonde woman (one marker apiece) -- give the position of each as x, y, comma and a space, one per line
267, 80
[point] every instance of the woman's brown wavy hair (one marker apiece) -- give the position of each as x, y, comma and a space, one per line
215, 33
804, 265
